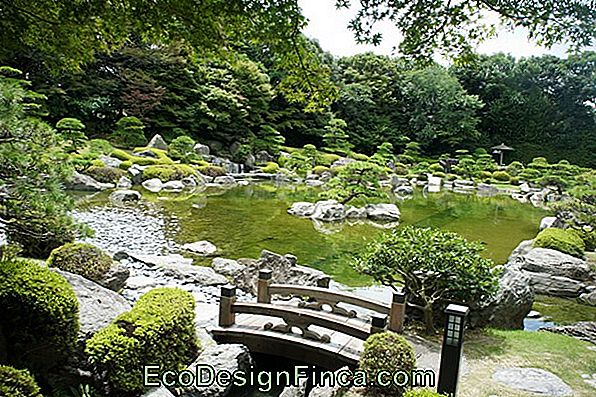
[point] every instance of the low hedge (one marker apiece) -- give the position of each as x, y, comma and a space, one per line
158, 330
271, 168
17, 383
387, 351
166, 173
501, 176
80, 258
38, 315
564, 240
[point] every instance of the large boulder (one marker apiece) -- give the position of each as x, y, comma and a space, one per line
124, 183
198, 275
153, 185
156, 260
98, 306
285, 270
522, 249
125, 196
548, 221
555, 263
157, 142
173, 186
302, 208
135, 172
227, 267
201, 149
404, 190
383, 212
116, 276
584, 330
228, 357
225, 180
86, 183
110, 161
328, 210
342, 162
588, 298
356, 213
201, 247
263, 157
547, 284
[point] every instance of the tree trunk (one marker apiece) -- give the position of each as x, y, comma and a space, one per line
428, 320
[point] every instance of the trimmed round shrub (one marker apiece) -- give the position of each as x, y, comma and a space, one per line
439, 174
514, 180
485, 174
328, 158
129, 132
320, 170
38, 315
158, 330
514, 168
17, 383
501, 176
212, 171
452, 177
80, 258
125, 165
436, 167
563, 240
105, 174
166, 173
100, 146
387, 351
270, 168
359, 157
182, 148
423, 393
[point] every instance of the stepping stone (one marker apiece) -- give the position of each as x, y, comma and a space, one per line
533, 380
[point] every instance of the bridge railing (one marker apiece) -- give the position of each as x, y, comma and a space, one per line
321, 297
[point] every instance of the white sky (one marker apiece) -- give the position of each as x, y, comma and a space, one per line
329, 26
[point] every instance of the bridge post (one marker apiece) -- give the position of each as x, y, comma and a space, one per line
227, 299
263, 295
397, 313
323, 281
378, 323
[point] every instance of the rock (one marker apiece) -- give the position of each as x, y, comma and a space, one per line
547, 284
342, 162
404, 190
98, 306
295, 391
584, 330
190, 182
136, 173
326, 176
250, 161
146, 153
383, 212
327, 390
86, 183
314, 183
534, 314
302, 208
356, 213
328, 210
397, 181
555, 263
201, 247
125, 196
225, 180
522, 249
157, 142
537, 199
285, 270
153, 185
116, 276
140, 282
510, 305
228, 357
547, 222
159, 392
201, 149
588, 298
525, 188
461, 183
227, 267
533, 380
159, 260
124, 183
110, 161
173, 186
263, 157
198, 275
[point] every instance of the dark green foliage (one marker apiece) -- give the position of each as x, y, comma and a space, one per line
387, 351
182, 148
80, 258
38, 315
356, 181
158, 330
335, 138
384, 155
167, 173
73, 131
212, 170
268, 139
434, 267
105, 174
128, 133
17, 383
564, 240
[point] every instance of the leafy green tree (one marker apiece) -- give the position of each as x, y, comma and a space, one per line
73, 131
182, 148
335, 139
384, 155
269, 139
33, 167
129, 133
357, 180
433, 266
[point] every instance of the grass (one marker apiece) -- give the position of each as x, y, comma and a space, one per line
489, 350
564, 311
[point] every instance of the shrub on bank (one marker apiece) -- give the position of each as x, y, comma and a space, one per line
17, 383
270, 168
564, 240
327, 159
125, 165
38, 314
212, 170
104, 174
320, 170
82, 259
166, 173
158, 330
387, 351
501, 176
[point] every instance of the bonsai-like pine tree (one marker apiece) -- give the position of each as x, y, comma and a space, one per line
73, 131
335, 138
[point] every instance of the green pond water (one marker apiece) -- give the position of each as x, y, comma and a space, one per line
245, 220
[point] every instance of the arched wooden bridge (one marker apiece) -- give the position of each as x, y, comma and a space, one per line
320, 329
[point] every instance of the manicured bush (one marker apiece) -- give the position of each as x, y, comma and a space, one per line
105, 174
17, 383
270, 168
125, 156
452, 177
98, 163
564, 240
439, 174
158, 330
484, 175
501, 176
387, 351
406, 159
80, 258
422, 393
514, 180
320, 170
73, 131
166, 173
436, 167
359, 156
161, 155
100, 146
515, 168
328, 158
182, 148
129, 133
529, 174
212, 171
38, 315
125, 165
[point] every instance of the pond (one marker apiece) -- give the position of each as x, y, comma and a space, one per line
245, 220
